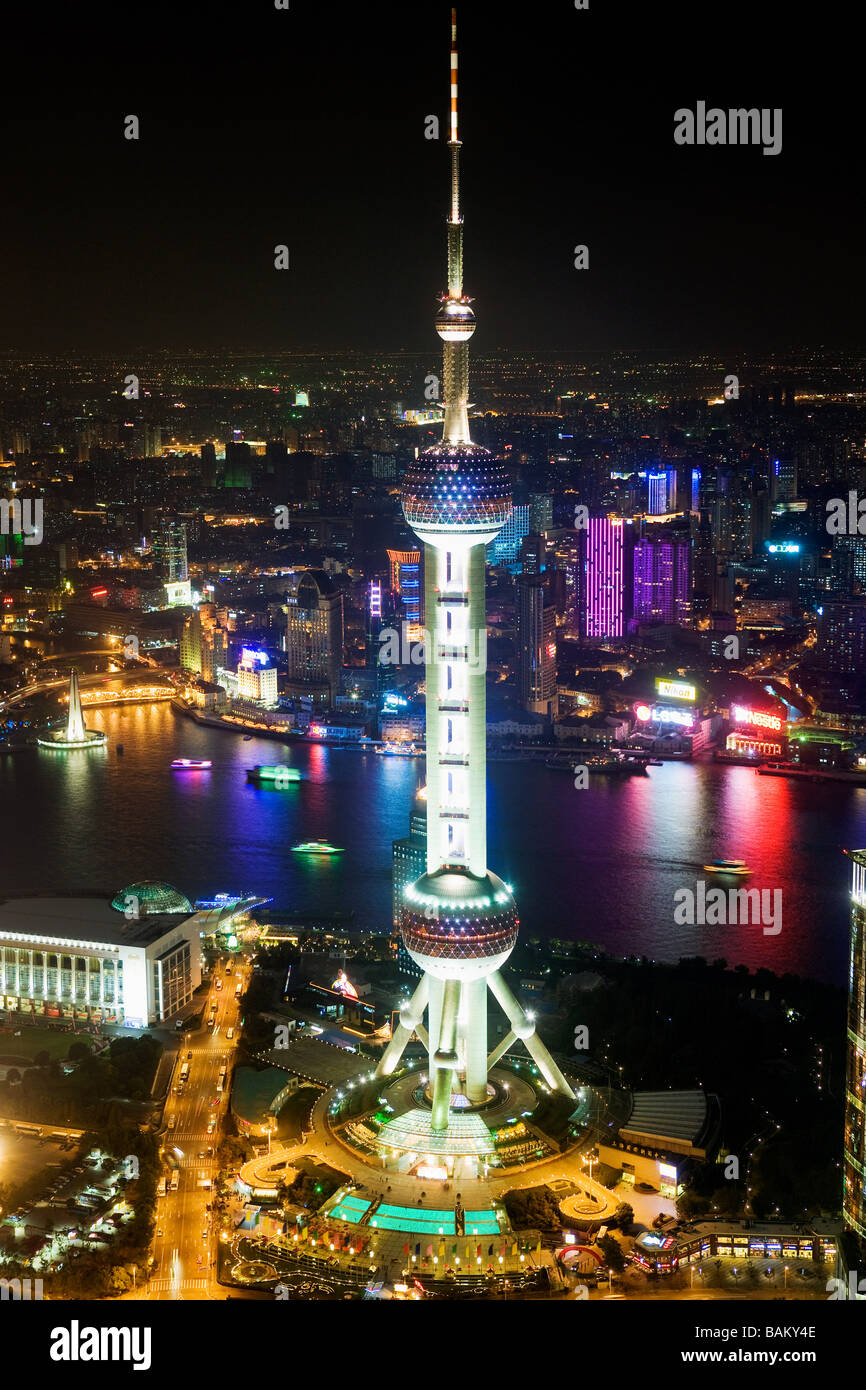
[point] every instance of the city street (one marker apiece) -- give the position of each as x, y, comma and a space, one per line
184, 1247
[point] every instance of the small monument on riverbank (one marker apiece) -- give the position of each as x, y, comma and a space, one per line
75, 734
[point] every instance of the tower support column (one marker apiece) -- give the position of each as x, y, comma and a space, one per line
445, 1058
411, 1015
475, 1039
525, 1030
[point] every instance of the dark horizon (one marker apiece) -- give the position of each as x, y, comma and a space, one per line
293, 128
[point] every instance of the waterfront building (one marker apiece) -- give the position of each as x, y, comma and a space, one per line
136, 960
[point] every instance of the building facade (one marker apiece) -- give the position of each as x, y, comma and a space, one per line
72, 957
314, 637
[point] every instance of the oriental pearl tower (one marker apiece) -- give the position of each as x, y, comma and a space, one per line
460, 921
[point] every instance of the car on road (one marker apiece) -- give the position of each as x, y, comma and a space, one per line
189, 1056
230, 1034
211, 1127
204, 1234
159, 1235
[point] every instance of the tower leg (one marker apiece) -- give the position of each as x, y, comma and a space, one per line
525, 1029
500, 1049
434, 1021
445, 1057
410, 1019
474, 1003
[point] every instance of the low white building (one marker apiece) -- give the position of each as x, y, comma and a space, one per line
136, 960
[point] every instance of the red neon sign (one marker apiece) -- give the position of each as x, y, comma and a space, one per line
757, 718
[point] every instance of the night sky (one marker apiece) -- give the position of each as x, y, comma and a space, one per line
306, 127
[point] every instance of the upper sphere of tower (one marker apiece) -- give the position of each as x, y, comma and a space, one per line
455, 321
460, 487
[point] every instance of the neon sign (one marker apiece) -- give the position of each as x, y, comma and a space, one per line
676, 690
756, 717
250, 657
664, 714
343, 985
785, 548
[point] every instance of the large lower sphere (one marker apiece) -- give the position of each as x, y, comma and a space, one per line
458, 926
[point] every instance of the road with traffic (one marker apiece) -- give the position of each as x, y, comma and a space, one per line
184, 1247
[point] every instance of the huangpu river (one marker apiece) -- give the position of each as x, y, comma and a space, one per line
600, 864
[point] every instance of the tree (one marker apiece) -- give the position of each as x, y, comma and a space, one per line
612, 1253
13, 1076
624, 1216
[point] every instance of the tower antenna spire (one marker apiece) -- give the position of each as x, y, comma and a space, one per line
455, 322
454, 137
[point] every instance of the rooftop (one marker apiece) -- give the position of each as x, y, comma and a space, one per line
81, 920
660, 1116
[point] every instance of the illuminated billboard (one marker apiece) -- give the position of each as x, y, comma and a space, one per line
676, 690
784, 548
664, 714
756, 717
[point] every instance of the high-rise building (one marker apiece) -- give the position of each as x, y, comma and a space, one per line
783, 478
567, 578
536, 645
848, 566
314, 637
607, 559
460, 921
657, 493
169, 548
207, 454
540, 512
842, 638
191, 644
505, 549
662, 580
533, 554
406, 583
854, 1146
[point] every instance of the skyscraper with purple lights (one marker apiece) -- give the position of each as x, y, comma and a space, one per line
607, 558
662, 581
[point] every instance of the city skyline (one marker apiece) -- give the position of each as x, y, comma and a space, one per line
432, 789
